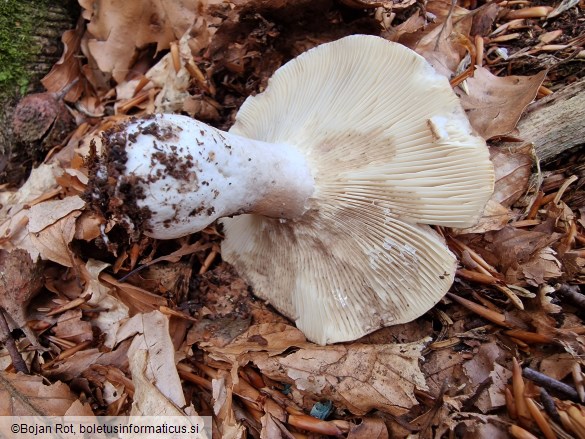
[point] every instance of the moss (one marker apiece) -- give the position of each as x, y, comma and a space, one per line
17, 48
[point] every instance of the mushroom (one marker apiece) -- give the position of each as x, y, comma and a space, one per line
327, 184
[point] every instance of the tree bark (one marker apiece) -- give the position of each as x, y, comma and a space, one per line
30, 36
556, 123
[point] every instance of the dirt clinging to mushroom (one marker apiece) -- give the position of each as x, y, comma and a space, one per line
110, 191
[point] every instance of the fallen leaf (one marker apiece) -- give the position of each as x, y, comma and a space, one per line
357, 377
82, 361
157, 386
119, 29
542, 267
493, 397
113, 311
494, 217
369, 428
28, 395
53, 241
222, 395
494, 104
68, 68
70, 327
20, 280
513, 170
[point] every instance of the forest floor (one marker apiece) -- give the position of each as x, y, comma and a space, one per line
501, 355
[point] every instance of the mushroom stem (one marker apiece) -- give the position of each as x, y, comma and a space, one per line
172, 175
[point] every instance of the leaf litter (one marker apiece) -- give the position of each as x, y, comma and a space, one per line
100, 312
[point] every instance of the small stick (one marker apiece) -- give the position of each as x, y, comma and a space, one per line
548, 403
550, 383
572, 294
6, 338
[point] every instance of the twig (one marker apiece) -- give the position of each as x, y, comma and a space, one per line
6, 338
550, 383
572, 294
549, 405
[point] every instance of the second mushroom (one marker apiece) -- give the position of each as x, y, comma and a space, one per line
326, 184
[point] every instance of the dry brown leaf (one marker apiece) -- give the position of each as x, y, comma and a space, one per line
440, 49
153, 356
88, 226
53, 241
70, 327
412, 24
512, 171
558, 366
49, 212
20, 280
478, 369
493, 397
157, 386
369, 428
512, 247
388, 4
443, 366
113, 311
483, 19
174, 85
223, 408
494, 217
119, 29
135, 298
273, 338
542, 267
356, 376
494, 104
42, 180
28, 395
82, 361
440, 43
68, 68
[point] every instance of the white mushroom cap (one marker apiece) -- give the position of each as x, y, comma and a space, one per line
391, 151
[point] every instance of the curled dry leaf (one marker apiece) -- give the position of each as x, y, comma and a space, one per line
157, 386
513, 170
388, 4
542, 267
113, 310
494, 104
68, 68
223, 409
20, 280
82, 361
119, 29
369, 428
70, 327
52, 228
27, 395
